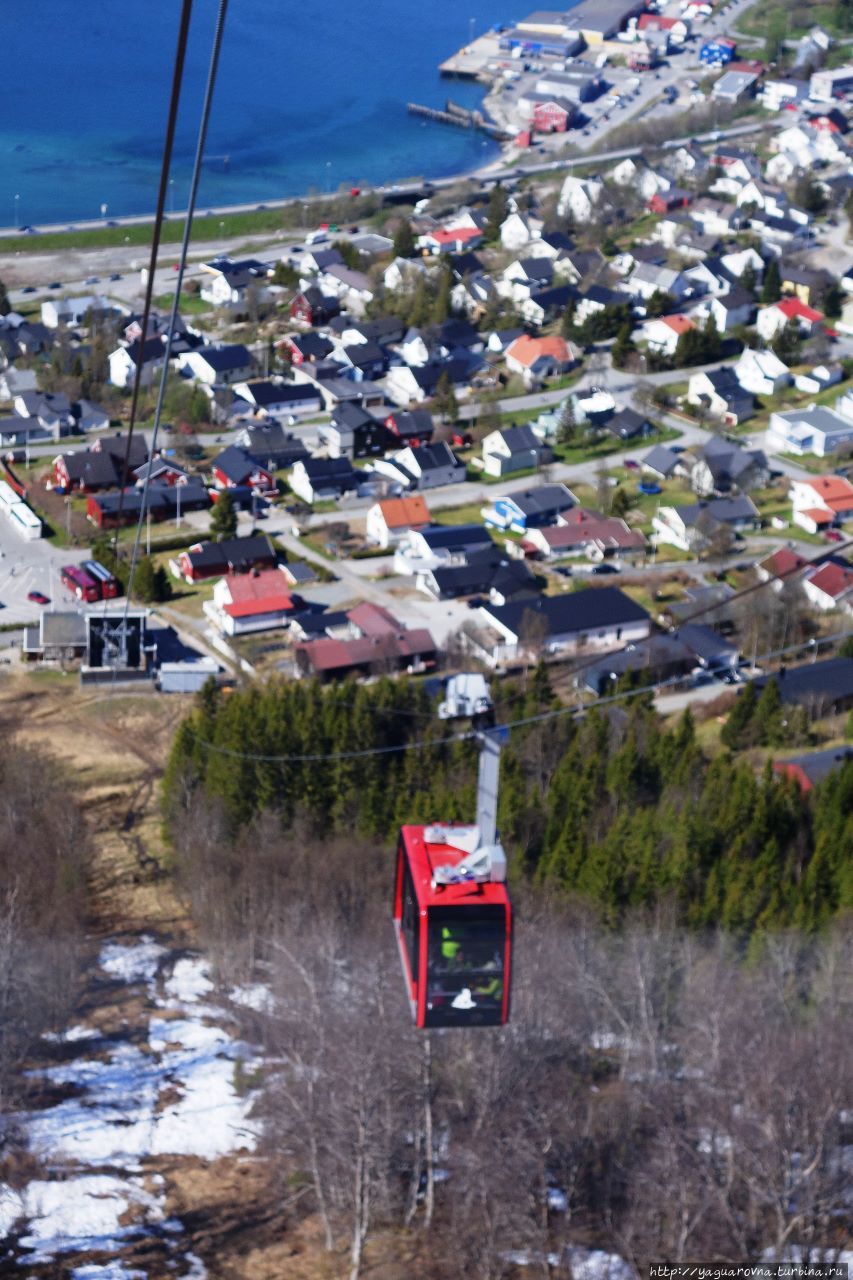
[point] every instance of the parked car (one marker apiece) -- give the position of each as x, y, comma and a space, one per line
38, 597
606, 568
564, 571
116, 275
92, 280
631, 464
55, 284
834, 535
28, 288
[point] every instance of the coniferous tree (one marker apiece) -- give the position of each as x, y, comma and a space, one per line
771, 290
223, 521
404, 240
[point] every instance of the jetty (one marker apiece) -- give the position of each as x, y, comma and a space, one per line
460, 118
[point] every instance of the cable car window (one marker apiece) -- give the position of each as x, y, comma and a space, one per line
465, 979
409, 921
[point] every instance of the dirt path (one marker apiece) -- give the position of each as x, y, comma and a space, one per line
145, 1139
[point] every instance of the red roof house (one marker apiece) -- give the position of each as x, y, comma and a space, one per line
255, 601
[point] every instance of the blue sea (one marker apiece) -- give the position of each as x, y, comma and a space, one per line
308, 96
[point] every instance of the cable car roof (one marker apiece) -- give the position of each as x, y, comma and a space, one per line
426, 856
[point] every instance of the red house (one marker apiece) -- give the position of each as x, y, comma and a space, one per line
550, 117
235, 468
667, 201
313, 307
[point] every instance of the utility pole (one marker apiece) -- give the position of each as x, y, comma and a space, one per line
148, 536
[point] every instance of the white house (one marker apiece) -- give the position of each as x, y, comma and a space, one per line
71, 311
593, 619
234, 284
662, 335
123, 362
773, 319
762, 372
817, 430
218, 365
247, 602
392, 519
821, 502
513, 449
830, 586
519, 230
403, 274
579, 197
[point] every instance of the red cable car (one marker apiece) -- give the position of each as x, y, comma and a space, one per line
453, 916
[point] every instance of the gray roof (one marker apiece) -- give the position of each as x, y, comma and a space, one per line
661, 459
62, 629
723, 510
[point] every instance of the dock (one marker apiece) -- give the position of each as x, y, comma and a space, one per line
460, 118
474, 61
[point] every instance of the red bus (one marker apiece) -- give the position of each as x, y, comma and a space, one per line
108, 584
455, 939
80, 583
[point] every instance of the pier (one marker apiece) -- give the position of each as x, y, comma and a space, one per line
459, 117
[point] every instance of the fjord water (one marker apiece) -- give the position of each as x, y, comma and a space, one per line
309, 96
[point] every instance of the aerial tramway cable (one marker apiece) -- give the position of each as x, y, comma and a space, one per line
171, 123
179, 279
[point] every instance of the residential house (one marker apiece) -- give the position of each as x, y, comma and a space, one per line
355, 433
392, 519
352, 288
234, 468
720, 467
560, 626
661, 461
407, 385
124, 360
244, 603
780, 567
735, 86
268, 442
579, 198
529, 508
490, 572
774, 318
88, 416
163, 502
595, 298
160, 470
313, 306
546, 305
814, 766
375, 641
627, 424
236, 286
695, 526
362, 361
729, 311
425, 467
662, 335
455, 239
648, 279
537, 358
413, 426
232, 555
581, 532
806, 283
518, 230
13, 381
830, 586
52, 409
823, 687
72, 311
102, 466
323, 479
218, 366
719, 393
526, 276
440, 546
818, 430
821, 502
715, 217
513, 449
762, 372
270, 398
661, 658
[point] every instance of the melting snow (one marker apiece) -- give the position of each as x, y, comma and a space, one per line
133, 962
253, 996
82, 1213
595, 1264
170, 1091
189, 981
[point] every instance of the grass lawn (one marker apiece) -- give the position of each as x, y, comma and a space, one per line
190, 304
469, 513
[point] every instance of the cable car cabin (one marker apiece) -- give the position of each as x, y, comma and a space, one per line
454, 937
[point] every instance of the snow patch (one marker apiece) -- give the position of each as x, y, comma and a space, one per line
595, 1264
253, 995
11, 1209
106, 1271
81, 1213
136, 962
189, 981
71, 1035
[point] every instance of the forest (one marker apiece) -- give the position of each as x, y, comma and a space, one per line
614, 809
672, 1081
